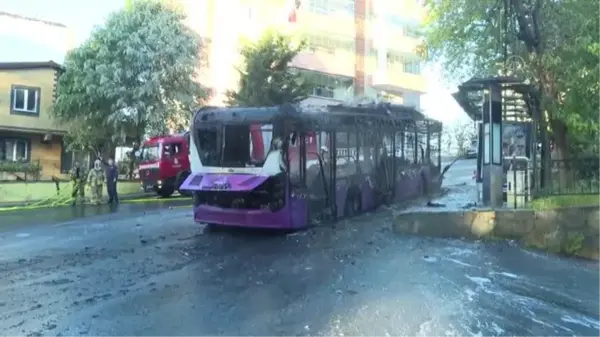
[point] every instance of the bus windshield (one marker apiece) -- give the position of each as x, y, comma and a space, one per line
235, 145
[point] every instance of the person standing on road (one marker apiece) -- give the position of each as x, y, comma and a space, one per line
112, 174
96, 179
78, 183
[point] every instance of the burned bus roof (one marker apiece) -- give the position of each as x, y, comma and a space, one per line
331, 115
218, 115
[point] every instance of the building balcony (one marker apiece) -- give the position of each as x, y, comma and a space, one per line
336, 63
341, 24
399, 42
396, 81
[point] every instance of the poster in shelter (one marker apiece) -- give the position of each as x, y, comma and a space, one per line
515, 139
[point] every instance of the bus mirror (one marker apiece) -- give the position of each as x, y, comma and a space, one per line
293, 138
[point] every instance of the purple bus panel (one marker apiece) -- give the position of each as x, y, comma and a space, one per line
223, 182
292, 215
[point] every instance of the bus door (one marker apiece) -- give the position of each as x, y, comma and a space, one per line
389, 144
383, 158
331, 165
312, 154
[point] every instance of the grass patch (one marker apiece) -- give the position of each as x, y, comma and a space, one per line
125, 187
56, 200
37, 191
561, 201
64, 197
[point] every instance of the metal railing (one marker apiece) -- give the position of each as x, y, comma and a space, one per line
577, 176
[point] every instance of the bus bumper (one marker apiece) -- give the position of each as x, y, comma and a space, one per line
251, 218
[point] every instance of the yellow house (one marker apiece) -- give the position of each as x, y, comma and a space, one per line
27, 131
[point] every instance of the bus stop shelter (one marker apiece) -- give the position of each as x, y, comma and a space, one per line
504, 109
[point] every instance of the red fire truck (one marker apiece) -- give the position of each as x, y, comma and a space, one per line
164, 164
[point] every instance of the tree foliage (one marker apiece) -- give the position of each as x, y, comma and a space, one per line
266, 78
551, 44
458, 136
130, 77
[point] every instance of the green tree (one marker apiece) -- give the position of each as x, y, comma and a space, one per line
459, 136
266, 78
554, 42
129, 78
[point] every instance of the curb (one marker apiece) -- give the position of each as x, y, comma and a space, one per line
569, 231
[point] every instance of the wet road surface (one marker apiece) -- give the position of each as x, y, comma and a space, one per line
158, 273
44, 216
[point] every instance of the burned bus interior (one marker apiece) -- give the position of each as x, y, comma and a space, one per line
324, 148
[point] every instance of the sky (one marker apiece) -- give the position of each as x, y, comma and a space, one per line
82, 16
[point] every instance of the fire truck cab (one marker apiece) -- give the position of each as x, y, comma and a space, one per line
164, 164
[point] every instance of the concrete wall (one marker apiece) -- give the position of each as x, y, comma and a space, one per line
570, 231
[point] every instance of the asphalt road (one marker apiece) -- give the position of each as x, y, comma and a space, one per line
155, 272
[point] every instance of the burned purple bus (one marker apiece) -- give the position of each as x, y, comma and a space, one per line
287, 167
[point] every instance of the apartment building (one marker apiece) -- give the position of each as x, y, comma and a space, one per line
356, 47
27, 132
29, 71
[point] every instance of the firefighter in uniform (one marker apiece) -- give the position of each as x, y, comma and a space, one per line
96, 179
77, 183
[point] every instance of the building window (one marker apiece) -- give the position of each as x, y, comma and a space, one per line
395, 21
331, 6
325, 84
25, 100
410, 28
323, 91
249, 13
69, 158
14, 149
330, 43
411, 31
412, 67
394, 59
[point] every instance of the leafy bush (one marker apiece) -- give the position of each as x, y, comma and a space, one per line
33, 168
